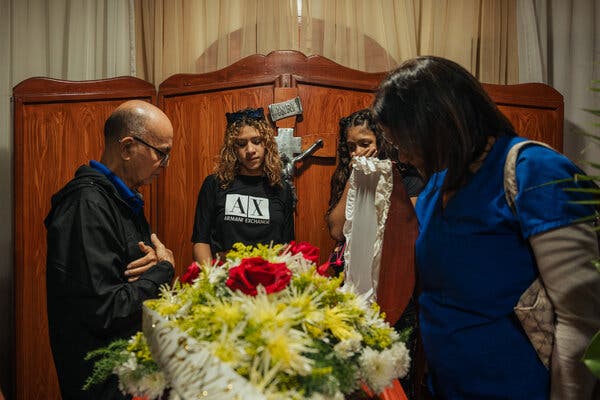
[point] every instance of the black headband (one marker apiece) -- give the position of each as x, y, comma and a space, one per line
249, 113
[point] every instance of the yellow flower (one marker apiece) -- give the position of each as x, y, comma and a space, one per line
268, 252
284, 348
338, 321
230, 347
139, 347
379, 337
229, 314
265, 313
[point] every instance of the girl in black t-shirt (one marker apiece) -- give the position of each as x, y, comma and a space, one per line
245, 200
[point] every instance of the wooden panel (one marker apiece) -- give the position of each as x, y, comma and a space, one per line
536, 110
397, 275
257, 68
536, 124
58, 125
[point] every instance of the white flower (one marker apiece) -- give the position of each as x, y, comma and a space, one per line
174, 396
378, 368
295, 262
284, 395
127, 367
152, 386
401, 358
347, 348
216, 274
319, 396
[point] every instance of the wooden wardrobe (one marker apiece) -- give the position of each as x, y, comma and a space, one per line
58, 125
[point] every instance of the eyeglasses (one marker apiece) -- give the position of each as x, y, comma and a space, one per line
164, 157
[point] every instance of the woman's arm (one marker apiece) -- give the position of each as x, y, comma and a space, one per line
202, 254
203, 221
337, 217
564, 258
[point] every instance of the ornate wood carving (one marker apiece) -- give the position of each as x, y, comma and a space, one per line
197, 105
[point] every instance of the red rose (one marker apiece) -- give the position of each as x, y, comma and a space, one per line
191, 274
257, 271
309, 252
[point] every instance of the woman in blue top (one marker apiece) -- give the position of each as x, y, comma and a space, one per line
475, 257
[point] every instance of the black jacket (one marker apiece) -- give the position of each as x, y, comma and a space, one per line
92, 234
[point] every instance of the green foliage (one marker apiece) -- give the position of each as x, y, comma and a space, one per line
134, 353
591, 358
107, 359
405, 334
330, 372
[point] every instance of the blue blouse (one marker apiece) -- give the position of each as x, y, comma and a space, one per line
474, 262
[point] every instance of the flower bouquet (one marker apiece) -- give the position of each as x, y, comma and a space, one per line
261, 324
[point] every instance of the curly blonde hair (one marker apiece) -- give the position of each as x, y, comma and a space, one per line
228, 166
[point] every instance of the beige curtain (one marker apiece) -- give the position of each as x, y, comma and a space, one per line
376, 35
498, 58
559, 44
187, 36
192, 36
71, 39
63, 39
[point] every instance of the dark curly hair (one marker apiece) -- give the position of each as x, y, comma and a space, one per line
385, 150
228, 166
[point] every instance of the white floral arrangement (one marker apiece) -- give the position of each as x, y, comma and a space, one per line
266, 323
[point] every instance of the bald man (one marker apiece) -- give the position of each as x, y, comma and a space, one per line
102, 260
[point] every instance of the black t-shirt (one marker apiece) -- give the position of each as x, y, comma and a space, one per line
249, 211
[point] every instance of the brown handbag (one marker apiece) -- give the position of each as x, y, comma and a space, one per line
536, 313
534, 308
